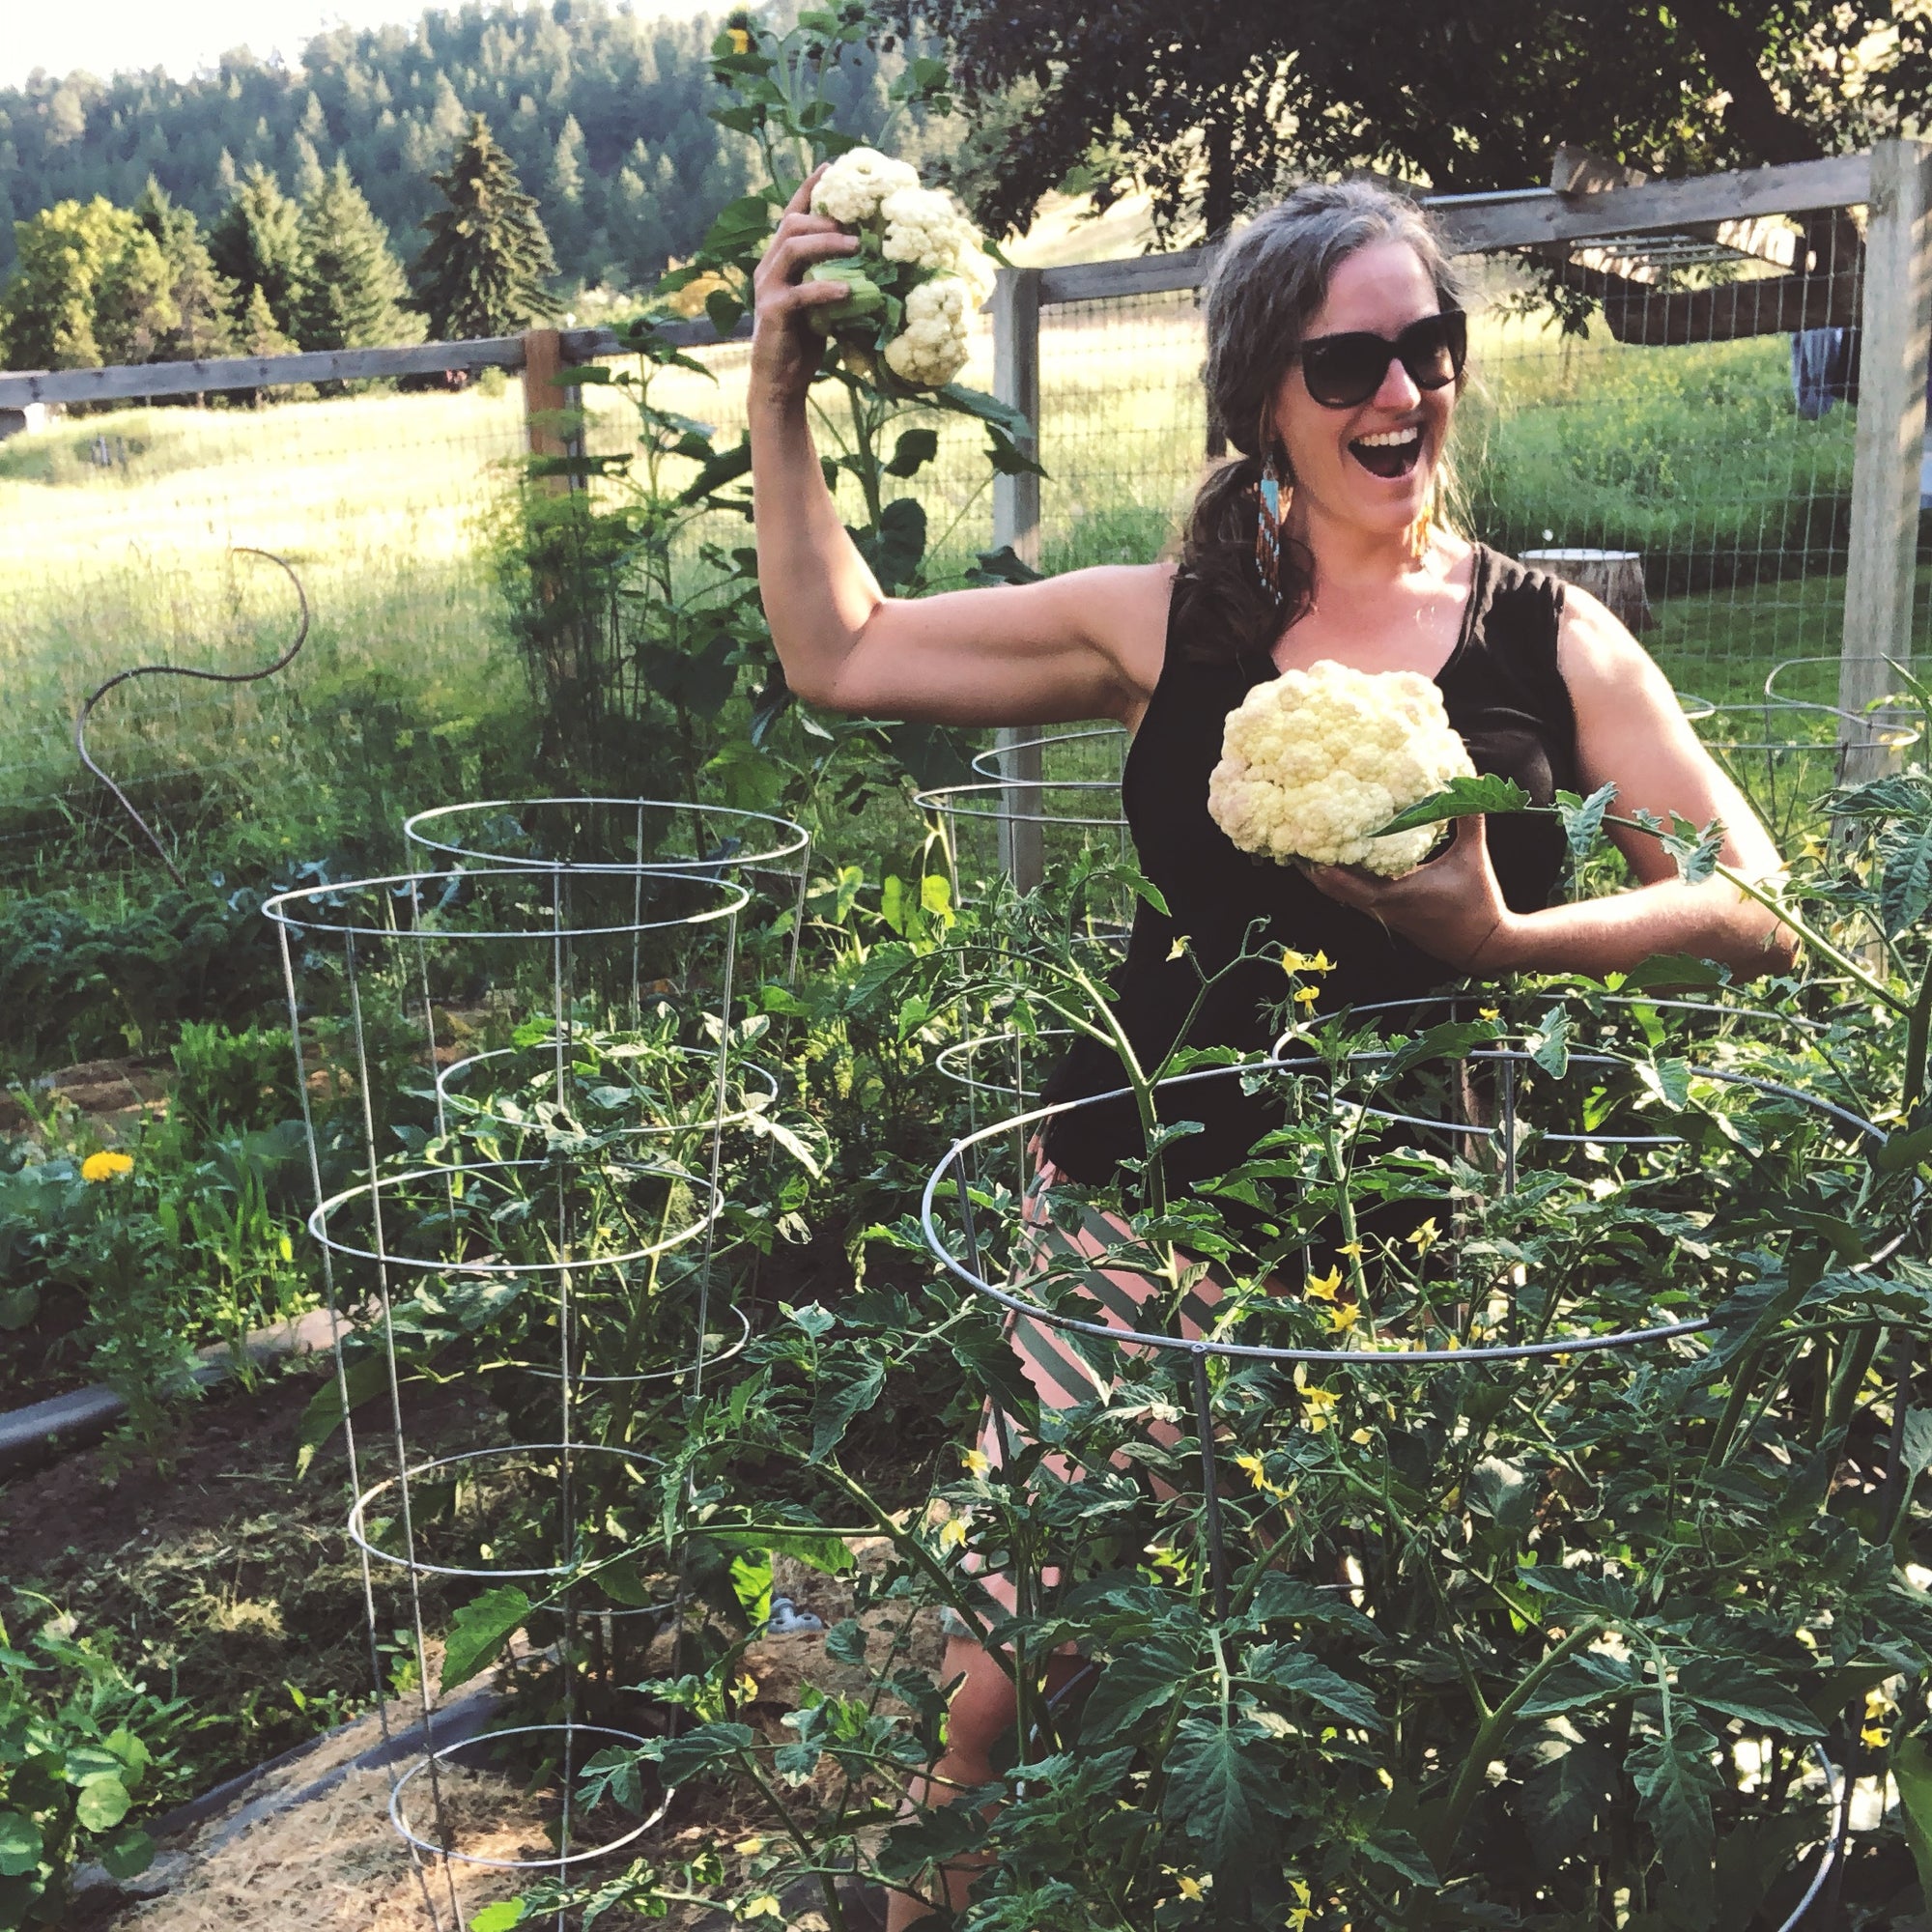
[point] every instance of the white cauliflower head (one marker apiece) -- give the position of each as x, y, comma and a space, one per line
932, 349
851, 189
1313, 761
924, 227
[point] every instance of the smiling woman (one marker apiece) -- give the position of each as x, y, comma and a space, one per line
1336, 348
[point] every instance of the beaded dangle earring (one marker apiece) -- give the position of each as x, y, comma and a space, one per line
1272, 500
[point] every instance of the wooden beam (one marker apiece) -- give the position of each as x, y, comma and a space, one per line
1765, 306
133, 382
1475, 228
1015, 306
1891, 441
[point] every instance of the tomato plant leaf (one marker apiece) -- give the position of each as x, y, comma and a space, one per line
1569, 1777
1136, 1679
1401, 1853
845, 1389
1288, 1667
1582, 818
1675, 1780
479, 1629
1222, 1787
1460, 798
1732, 1688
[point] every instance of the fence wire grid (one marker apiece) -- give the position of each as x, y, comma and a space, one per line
1685, 452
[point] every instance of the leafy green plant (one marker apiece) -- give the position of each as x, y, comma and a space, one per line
82, 1746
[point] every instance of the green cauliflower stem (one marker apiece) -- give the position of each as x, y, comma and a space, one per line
863, 295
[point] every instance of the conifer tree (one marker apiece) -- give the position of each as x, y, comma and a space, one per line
257, 246
483, 269
202, 298
352, 287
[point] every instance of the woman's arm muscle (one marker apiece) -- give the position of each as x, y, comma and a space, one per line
1631, 732
1088, 644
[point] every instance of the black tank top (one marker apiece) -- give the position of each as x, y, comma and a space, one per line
1504, 694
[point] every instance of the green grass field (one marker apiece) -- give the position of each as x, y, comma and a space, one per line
1694, 456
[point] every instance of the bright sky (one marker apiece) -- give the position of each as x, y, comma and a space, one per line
108, 36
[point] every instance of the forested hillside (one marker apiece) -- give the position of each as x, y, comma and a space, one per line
602, 111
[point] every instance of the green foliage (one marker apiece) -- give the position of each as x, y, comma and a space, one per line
48, 308
82, 1747
256, 244
352, 293
484, 268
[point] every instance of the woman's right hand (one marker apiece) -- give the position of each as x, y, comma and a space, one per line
785, 350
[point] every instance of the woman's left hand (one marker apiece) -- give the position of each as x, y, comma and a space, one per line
1453, 907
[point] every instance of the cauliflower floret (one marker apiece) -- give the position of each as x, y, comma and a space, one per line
851, 189
925, 228
1313, 761
933, 348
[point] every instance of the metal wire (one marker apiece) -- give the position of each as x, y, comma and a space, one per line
100, 692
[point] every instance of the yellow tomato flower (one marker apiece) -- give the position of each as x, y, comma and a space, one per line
1353, 1249
1344, 1316
1190, 1888
1293, 961
953, 1534
748, 1848
1307, 996
1303, 1908
1318, 1402
1257, 1473
106, 1165
1875, 1736
1424, 1237
1487, 1014
764, 1906
977, 1462
741, 41
1362, 1435
1323, 1287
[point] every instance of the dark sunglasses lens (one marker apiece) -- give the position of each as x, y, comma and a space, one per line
1434, 350
1342, 371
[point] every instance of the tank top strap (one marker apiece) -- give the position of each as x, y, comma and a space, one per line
1511, 627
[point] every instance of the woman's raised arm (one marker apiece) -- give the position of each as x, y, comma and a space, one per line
1087, 645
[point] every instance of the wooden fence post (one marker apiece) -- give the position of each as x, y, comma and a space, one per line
546, 427
1882, 553
1016, 523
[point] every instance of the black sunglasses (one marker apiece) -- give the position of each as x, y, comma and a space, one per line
1343, 372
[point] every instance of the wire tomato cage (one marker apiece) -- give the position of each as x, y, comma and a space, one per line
1508, 1113
478, 1213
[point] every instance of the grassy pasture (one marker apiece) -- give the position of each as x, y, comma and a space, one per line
1694, 456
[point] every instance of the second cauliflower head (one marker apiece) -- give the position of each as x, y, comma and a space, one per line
1314, 760
917, 264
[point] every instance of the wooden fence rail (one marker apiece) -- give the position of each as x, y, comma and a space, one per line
1893, 184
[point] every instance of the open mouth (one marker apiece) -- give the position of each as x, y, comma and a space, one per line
1392, 453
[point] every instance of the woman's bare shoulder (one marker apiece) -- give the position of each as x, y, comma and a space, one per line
1120, 609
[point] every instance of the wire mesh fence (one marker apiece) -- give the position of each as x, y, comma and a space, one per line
1690, 452
116, 549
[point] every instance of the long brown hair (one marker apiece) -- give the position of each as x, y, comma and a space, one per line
1268, 284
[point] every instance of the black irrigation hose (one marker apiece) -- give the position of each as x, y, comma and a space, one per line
182, 671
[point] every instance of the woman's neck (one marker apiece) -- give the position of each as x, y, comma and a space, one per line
1355, 562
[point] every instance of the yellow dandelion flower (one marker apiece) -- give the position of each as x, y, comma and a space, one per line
1324, 1287
1424, 1237
741, 41
106, 1165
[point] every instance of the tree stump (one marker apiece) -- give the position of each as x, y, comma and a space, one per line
1615, 577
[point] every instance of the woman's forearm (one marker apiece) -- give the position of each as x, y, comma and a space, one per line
818, 594
1618, 932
